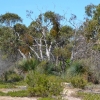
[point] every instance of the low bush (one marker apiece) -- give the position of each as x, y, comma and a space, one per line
29, 64
14, 77
47, 68
78, 82
43, 85
88, 96
11, 76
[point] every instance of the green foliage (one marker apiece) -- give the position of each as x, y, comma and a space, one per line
11, 84
62, 52
10, 18
91, 29
20, 28
89, 96
55, 21
7, 85
22, 93
2, 94
89, 10
96, 47
77, 68
11, 76
41, 68
8, 43
66, 31
50, 98
79, 82
47, 98
92, 26
28, 64
48, 68
97, 13
14, 77
43, 85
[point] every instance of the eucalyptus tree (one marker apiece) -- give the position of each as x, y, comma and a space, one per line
9, 19
92, 24
48, 40
56, 39
8, 37
45, 38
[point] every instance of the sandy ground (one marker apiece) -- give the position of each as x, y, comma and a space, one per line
16, 98
67, 94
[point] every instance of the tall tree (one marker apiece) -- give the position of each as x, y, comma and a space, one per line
9, 19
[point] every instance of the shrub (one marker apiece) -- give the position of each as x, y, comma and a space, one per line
41, 68
43, 85
78, 82
11, 76
88, 96
14, 77
29, 64
46, 67
78, 68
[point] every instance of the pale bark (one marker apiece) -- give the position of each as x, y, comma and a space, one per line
22, 54
35, 53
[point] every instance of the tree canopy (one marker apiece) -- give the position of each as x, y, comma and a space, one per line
47, 39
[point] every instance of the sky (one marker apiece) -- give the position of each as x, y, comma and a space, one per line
62, 7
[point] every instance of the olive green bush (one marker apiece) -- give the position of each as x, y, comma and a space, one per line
11, 76
88, 96
43, 85
78, 81
47, 68
28, 64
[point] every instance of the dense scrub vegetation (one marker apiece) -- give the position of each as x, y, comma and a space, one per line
46, 53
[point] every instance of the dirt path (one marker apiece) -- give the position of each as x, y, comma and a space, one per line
16, 98
67, 94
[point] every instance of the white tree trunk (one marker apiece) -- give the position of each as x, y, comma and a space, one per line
22, 54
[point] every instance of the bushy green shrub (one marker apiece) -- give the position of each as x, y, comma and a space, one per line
29, 64
83, 68
78, 68
43, 85
14, 77
11, 76
47, 68
88, 96
78, 82
41, 68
